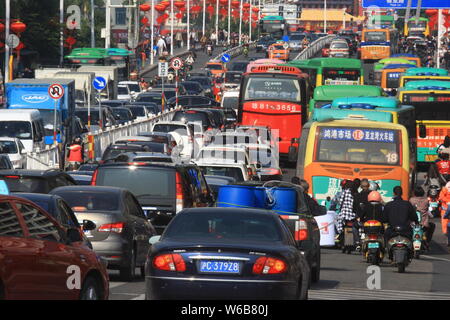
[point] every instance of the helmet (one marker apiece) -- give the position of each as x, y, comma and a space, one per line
374, 196
374, 186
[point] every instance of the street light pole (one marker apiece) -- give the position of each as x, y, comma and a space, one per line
92, 24
7, 24
325, 16
188, 30
61, 32
240, 22
250, 23
152, 34
204, 17
108, 25
217, 22
171, 28
229, 22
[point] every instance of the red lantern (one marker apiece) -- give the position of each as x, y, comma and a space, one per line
179, 15
2, 28
235, 4
166, 4
431, 12
246, 5
210, 10
223, 12
18, 27
223, 2
145, 7
196, 9
160, 8
255, 9
254, 25
183, 9
235, 14
254, 17
179, 4
144, 20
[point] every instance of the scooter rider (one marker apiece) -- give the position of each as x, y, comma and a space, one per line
399, 213
373, 209
421, 203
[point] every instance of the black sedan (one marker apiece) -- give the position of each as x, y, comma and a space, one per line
223, 253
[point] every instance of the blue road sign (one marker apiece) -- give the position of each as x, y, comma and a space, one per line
225, 58
401, 4
285, 38
99, 83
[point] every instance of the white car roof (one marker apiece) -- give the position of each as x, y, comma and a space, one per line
136, 138
231, 93
8, 139
213, 162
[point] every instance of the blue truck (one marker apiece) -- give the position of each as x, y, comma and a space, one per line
33, 94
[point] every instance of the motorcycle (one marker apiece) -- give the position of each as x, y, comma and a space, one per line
348, 244
400, 249
209, 49
373, 243
419, 240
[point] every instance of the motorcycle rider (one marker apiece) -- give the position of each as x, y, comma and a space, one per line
75, 154
373, 209
399, 213
443, 165
444, 199
421, 203
347, 212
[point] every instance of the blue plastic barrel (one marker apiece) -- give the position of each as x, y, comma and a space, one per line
285, 200
260, 197
236, 196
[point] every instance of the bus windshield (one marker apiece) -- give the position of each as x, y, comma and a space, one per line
263, 88
335, 76
375, 36
362, 145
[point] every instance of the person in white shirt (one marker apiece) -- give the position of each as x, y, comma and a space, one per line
161, 44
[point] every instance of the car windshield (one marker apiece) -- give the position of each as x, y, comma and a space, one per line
362, 145
90, 200
149, 98
8, 147
122, 90
226, 226
15, 129
203, 81
339, 45
83, 115
272, 88
180, 129
233, 77
141, 181
134, 87
192, 86
214, 66
26, 184
228, 155
231, 172
192, 116
375, 36
121, 114
239, 66
230, 102
137, 111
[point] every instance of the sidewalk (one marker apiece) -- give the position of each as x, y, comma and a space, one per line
149, 67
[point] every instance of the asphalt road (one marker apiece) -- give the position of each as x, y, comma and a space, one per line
345, 276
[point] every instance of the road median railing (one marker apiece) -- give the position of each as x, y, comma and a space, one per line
315, 47
49, 157
236, 51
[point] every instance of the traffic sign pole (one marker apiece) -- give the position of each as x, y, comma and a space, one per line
176, 87
56, 92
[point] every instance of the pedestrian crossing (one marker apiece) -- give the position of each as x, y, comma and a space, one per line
365, 294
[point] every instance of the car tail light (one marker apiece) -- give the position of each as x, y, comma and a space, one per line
273, 172
249, 172
112, 227
373, 237
179, 193
94, 178
301, 230
12, 177
169, 262
266, 265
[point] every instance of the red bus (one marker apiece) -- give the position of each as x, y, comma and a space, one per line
276, 96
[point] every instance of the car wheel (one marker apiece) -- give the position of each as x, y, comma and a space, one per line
129, 272
302, 291
90, 290
315, 272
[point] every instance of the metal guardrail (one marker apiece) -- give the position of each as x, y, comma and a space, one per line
49, 158
314, 47
236, 51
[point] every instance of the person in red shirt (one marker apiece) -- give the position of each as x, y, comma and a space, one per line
443, 165
75, 155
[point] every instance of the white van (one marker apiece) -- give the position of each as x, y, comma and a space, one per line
25, 124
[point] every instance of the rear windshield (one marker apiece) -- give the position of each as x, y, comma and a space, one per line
149, 98
192, 86
27, 184
122, 90
90, 201
239, 66
231, 172
141, 181
138, 111
112, 153
339, 45
233, 77
202, 81
8, 147
224, 226
192, 116
121, 114
83, 115
170, 128
297, 37
230, 102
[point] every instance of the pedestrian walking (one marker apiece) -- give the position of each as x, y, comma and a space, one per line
178, 39
169, 44
161, 44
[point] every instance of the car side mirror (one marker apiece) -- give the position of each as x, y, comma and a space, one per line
154, 239
422, 131
88, 225
73, 235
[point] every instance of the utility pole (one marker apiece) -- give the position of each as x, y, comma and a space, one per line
407, 14
325, 16
7, 24
217, 22
108, 25
152, 33
204, 17
61, 37
240, 22
188, 30
171, 27
229, 22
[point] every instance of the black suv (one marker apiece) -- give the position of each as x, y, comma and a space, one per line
193, 102
113, 150
162, 189
36, 181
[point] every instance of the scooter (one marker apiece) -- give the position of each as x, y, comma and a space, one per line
433, 199
419, 240
209, 49
400, 249
373, 244
349, 240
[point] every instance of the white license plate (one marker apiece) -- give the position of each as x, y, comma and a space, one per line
417, 245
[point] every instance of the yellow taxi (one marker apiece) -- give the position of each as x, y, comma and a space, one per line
279, 50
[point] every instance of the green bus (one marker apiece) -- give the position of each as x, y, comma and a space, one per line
89, 56
331, 71
418, 74
378, 67
125, 60
381, 21
324, 95
419, 29
274, 26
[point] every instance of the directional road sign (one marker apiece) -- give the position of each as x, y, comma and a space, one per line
285, 38
99, 83
163, 69
225, 58
56, 91
176, 63
401, 4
